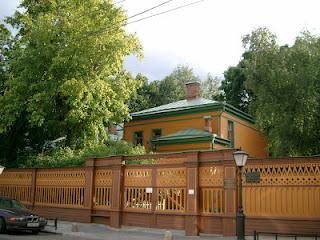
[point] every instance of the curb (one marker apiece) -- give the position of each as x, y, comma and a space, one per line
52, 232
45, 231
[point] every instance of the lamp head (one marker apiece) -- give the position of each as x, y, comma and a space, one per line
1, 169
240, 157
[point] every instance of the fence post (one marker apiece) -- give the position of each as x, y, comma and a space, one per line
89, 186
117, 192
192, 192
154, 197
230, 181
33, 187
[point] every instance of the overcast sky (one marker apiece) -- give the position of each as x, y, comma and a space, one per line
206, 36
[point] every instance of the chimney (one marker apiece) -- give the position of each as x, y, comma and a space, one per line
193, 90
208, 123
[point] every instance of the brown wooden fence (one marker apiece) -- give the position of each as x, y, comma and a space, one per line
195, 191
287, 196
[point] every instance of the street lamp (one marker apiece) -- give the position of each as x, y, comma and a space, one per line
240, 157
1, 169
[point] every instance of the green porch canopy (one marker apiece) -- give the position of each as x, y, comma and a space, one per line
190, 135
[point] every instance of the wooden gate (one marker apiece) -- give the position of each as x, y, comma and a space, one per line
152, 194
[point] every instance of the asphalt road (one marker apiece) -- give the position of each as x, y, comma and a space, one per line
42, 236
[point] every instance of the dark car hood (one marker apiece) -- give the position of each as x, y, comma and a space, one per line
19, 212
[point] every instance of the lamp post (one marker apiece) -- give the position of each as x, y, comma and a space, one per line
1, 169
240, 157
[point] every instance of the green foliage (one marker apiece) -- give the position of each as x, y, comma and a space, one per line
172, 88
145, 97
279, 86
5, 41
234, 89
67, 157
62, 74
285, 82
210, 88
144, 161
261, 38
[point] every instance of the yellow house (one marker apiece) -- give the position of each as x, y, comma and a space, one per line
195, 124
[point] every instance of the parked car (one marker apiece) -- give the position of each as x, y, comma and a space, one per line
15, 216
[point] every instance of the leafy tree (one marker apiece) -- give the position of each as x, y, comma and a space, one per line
285, 82
4, 46
233, 87
145, 97
153, 93
172, 88
139, 99
235, 91
64, 73
210, 88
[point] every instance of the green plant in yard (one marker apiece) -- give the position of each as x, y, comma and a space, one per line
67, 157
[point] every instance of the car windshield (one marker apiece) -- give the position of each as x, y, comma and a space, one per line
16, 204
11, 203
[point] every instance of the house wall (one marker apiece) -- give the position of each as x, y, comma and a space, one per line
246, 136
169, 125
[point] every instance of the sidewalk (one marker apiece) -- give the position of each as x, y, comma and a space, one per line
94, 231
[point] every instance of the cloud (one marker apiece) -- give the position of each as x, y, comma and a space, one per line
206, 36
7, 8
155, 65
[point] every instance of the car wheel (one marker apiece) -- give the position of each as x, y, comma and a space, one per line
2, 225
35, 231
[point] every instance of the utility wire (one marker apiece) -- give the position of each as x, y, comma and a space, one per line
119, 2
150, 9
144, 18
137, 14
170, 10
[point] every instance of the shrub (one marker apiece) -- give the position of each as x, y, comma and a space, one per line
67, 157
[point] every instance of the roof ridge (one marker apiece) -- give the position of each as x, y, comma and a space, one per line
159, 106
181, 104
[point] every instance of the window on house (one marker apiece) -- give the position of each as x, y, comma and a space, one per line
138, 138
231, 133
156, 133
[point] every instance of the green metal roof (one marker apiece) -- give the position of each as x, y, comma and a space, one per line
189, 135
175, 106
188, 107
